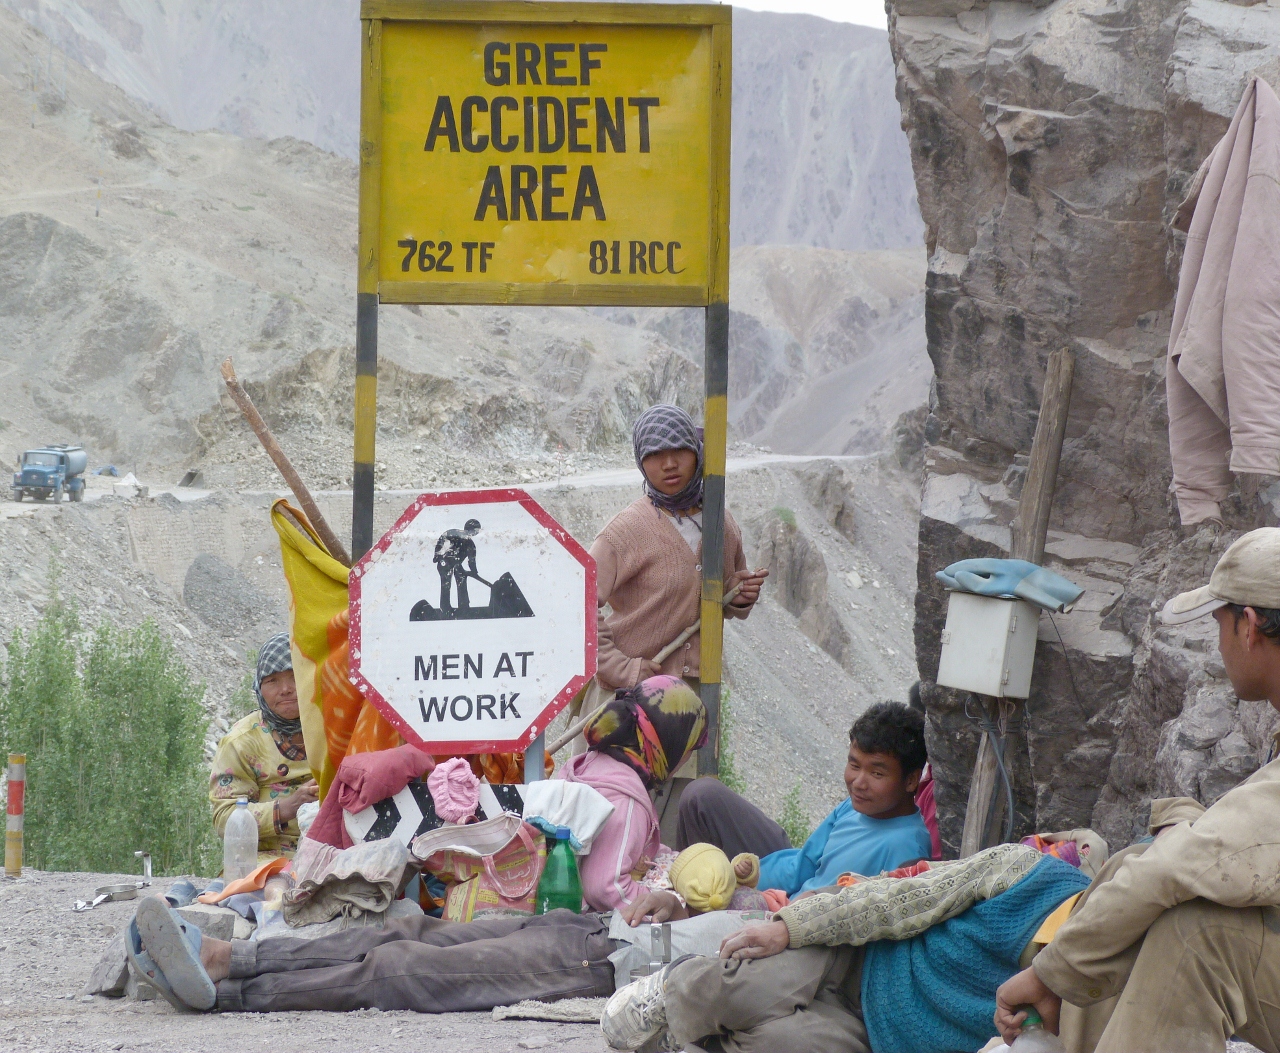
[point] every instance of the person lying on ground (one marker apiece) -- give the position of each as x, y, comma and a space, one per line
422, 964
1176, 945
895, 965
876, 828
264, 759
635, 743
649, 558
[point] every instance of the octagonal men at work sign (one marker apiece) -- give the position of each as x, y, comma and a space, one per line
473, 621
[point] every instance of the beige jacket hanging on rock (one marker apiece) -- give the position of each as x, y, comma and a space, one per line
1223, 378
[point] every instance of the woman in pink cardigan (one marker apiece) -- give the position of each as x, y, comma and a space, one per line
649, 558
634, 743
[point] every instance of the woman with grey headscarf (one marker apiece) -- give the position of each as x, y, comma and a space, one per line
264, 758
649, 558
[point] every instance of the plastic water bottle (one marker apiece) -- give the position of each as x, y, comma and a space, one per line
1034, 1038
560, 885
239, 843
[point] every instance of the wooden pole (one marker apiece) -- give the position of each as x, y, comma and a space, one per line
1029, 530
299, 488
1031, 525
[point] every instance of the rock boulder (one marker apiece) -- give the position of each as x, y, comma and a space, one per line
1052, 143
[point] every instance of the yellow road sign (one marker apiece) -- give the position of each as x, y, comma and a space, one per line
547, 153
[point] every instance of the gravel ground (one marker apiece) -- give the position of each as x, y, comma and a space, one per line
48, 953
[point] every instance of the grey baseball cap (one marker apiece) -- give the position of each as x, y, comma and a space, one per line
1248, 574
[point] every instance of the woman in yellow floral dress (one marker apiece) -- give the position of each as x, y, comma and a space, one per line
264, 759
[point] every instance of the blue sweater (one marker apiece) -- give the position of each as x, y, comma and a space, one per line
846, 841
936, 992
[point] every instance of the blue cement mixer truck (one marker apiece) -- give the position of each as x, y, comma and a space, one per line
51, 471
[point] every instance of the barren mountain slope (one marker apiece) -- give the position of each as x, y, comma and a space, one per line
207, 245
818, 154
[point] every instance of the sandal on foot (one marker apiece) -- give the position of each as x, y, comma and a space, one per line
148, 969
173, 946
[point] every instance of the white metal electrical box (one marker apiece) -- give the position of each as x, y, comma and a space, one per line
989, 645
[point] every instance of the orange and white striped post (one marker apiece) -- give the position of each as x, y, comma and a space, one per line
13, 821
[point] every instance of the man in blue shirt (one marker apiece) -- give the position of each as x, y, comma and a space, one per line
876, 828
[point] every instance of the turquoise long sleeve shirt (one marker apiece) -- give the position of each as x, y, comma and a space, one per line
846, 841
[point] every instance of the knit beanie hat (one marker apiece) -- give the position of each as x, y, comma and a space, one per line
703, 877
454, 789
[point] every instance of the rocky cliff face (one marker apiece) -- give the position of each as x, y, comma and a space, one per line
1051, 144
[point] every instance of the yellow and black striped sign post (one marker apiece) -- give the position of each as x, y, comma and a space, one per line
550, 153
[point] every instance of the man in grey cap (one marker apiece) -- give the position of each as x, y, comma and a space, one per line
1176, 944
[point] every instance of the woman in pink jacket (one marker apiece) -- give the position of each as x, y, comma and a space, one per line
634, 743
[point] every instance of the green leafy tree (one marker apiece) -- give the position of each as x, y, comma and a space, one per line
113, 729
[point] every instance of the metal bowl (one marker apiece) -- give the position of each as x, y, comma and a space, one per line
117, 892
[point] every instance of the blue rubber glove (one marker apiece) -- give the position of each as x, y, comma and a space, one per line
1011, 579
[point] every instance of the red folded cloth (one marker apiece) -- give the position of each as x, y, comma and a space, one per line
362, 780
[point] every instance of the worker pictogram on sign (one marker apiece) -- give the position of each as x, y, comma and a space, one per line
455, 560
460, 661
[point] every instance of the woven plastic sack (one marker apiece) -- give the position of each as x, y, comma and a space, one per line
491, 868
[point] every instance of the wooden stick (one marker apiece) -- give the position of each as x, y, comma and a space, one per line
683, 638
241, 398
1030, 528
575, 729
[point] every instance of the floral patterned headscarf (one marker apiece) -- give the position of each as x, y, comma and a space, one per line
651, 728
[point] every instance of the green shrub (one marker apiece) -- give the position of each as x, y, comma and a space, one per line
728, 762
794, 819
786, 515
113, 729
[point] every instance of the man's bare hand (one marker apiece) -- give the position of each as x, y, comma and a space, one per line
750, 591
757, 941
306, 793
1025, 988
656, 905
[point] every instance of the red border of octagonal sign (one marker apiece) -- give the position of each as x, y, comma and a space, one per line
476, 497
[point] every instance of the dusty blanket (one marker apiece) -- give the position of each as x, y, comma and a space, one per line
362, 879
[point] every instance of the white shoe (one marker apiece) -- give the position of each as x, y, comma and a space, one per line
662, 1043
636, 1013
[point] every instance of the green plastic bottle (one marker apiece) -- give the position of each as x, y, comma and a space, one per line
560, 885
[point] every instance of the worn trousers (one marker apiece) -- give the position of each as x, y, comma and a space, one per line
424, 964
806, 1000
710, 812
1204, 973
